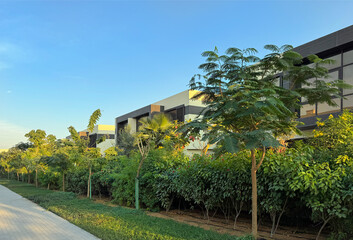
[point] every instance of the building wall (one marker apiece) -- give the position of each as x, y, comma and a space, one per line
175, 100
108, 143
337, 46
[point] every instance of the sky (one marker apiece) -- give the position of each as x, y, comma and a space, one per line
61, 60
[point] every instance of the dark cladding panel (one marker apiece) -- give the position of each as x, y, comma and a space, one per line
329, 42
345, 36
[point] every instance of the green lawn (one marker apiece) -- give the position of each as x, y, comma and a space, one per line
108, 222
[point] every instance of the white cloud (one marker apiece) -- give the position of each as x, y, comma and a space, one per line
11, 134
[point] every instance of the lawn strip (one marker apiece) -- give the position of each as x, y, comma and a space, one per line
107, 222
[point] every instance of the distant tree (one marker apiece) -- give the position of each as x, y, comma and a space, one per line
42, 145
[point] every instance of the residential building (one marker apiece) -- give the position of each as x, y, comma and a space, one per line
3, 150
179, 107
339, 47
99, 131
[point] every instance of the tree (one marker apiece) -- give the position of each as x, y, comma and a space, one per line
151, 134
247, 109
42, 146
125, 141
82, 147
62, 162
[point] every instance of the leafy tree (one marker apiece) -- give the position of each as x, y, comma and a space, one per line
125, 141
335, 134
62, 163
42, 146
152, 132
322, 188
247, 109
82, 147
5, 162
274, 190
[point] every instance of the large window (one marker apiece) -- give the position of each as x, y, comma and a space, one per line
348, 57
336, 63
348, 102
348, 78
176, 114
337, 71
342, 68
323, 108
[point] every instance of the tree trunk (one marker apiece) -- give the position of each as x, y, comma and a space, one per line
322, 227
170, 204
237, 213
273, 219
137, 186
253, 195
280, 215
48, 186
29, 178
8, 173
18, 177
63, 182
88, 183
22, 178
36, 178
140, 166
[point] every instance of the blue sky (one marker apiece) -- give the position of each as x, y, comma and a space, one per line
61, 60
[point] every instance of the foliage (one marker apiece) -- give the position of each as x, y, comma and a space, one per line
247, 109
125, 141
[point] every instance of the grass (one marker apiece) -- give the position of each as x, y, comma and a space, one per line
107, 222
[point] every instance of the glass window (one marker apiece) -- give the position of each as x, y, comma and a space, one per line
337, 62
325, 108
307, 111
348, 102
333, 76
348, 78
348, 57
311, 80
277, 81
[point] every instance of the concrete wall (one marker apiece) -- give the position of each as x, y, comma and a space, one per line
105, 145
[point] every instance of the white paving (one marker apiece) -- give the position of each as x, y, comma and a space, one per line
21, 219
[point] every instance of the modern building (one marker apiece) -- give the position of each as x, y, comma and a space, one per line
179, 107
339, 47
99, 132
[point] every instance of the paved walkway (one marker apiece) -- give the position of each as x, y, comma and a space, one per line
21, 219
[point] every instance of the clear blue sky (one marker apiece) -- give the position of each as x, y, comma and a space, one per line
61, 60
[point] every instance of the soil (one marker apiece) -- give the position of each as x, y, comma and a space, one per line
218, 224
242, 228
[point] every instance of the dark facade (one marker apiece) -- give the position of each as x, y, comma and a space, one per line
339, 47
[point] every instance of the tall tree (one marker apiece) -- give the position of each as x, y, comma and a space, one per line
151, 134
42, 145
82, 146
247, 109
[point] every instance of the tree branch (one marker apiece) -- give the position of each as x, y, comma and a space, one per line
262, 158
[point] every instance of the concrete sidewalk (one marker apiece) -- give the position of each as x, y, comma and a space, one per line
21, 219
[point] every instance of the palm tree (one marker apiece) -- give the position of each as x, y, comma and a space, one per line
151, 134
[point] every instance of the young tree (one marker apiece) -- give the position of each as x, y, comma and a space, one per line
151, 134
247, 109
42, 146
82, 147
